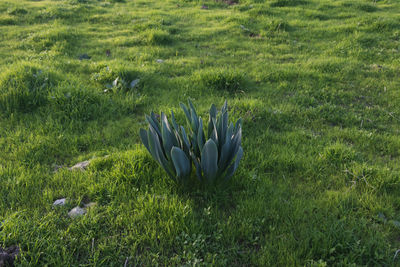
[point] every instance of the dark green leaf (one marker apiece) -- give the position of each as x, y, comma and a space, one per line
186, 111
192, 109
200, 135
224, 156
198, 167
236, 142
209, 159
224, 107
194, 122
232, 168
214, 135
185, 139
238, 125
174, 124
154, 124
212, 117
156, 149
224, 127
181, 162
167, 136
143, 137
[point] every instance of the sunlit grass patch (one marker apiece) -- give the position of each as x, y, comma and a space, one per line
25, 86
221, 79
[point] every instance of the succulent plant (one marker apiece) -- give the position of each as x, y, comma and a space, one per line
218, 156
169, 145
215, 158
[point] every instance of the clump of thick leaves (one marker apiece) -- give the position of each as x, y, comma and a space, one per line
215, 155
169, 146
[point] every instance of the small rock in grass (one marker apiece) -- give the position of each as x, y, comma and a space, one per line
76, 212
115, 82
230, 2
134, 83
160, 61
80, 166
376, 66
60, 202
8, 255
244, 28
56, 167
84, 56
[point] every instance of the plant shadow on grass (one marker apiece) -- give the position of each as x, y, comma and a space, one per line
220, 196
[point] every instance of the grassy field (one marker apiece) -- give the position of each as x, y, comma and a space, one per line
317, 83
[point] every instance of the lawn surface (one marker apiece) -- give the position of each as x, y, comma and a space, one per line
316, 82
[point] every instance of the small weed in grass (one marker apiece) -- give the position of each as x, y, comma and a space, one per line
338, 154
25, 87
7, 20
18, 11
119, 78
59, 39
221, 79
366, 7
157, 37
76, 103
288, 3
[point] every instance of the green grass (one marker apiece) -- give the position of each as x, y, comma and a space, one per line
316, 82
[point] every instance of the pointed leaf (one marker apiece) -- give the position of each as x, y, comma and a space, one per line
195, 145
229, 132
154, 117
195, 122
213, 112
224, 127
174, 124
192, 109
156, 149
238, 157
154, 124
212, 116
186, 111
238, 123
143, 137
185, 140
233, 167
200, 135
152, 145
168, 137
224, 107
198, 167
236, 141
224, 156
214, 135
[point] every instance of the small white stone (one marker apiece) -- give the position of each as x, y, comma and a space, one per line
60, 202
160, 61
77, 211
81, 165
